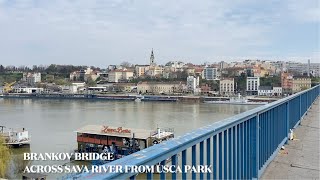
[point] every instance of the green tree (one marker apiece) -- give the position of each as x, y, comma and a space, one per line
5, 156
60, 82
91, 83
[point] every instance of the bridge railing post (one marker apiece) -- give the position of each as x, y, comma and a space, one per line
300, 112
256, 145
287, 119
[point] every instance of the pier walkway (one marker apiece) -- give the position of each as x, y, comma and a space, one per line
300, 158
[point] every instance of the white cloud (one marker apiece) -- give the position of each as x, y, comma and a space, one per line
108, 32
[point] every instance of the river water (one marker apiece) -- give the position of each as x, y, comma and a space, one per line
52, 123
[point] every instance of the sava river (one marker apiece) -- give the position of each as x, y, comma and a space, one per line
52, 123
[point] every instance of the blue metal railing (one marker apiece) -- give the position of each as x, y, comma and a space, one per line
239, 147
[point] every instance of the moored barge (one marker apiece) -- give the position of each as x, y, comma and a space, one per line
118, 140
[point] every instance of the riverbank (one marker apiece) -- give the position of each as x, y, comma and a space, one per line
129, 97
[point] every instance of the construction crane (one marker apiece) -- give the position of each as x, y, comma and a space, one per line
8, 87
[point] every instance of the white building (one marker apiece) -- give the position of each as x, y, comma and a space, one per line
140, 70
27, 90
265, 91
73, 88
161, 87
253, 84
227, 86
277, 91
210, 73
302, 68
120, 74
192, 83
32, 78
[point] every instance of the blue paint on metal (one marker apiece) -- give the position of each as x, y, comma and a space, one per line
184, 163
220, 165
214, 163
201, 157
163, 174
225, 154
208, 156
234, 154
254, 140
255, 137
245, 154
229, 170
238, 152
242, 150
194, 153
149, 176
287, 120
174, 163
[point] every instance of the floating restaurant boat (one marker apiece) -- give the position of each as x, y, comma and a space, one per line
15, 138
118, 140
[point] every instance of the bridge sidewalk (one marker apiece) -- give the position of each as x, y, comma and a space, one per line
300, 158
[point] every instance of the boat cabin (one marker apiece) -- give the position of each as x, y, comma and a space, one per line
118, 140
16, 137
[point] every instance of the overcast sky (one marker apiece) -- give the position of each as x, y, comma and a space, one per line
103, 32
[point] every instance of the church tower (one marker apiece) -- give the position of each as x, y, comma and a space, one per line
152, 59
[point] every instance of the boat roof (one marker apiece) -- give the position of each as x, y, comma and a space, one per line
34, 175
115, 131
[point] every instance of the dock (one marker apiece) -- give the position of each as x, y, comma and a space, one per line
300, 158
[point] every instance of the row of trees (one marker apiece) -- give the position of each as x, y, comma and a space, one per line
51, 69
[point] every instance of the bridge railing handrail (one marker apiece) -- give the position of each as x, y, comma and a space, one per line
160, 152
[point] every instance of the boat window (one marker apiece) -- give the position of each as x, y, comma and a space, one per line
79, 134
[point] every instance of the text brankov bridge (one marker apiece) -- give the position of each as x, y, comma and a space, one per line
239, 147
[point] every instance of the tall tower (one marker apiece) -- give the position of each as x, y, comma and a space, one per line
152, 58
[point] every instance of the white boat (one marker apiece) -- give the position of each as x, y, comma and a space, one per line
15, 138
139, 98
240, 100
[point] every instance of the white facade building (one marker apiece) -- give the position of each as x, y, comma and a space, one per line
161, 87
253, 84
27, 90
265, 91
32, 78
120, 74
192, 83
227, 86
277, 91
74, 88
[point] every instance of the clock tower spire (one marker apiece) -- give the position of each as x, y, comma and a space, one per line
152, 58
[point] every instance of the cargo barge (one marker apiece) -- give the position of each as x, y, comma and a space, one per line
90, 97
67, 96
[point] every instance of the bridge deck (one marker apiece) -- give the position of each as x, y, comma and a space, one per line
300, 158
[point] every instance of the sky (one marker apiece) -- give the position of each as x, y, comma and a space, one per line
103, 32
